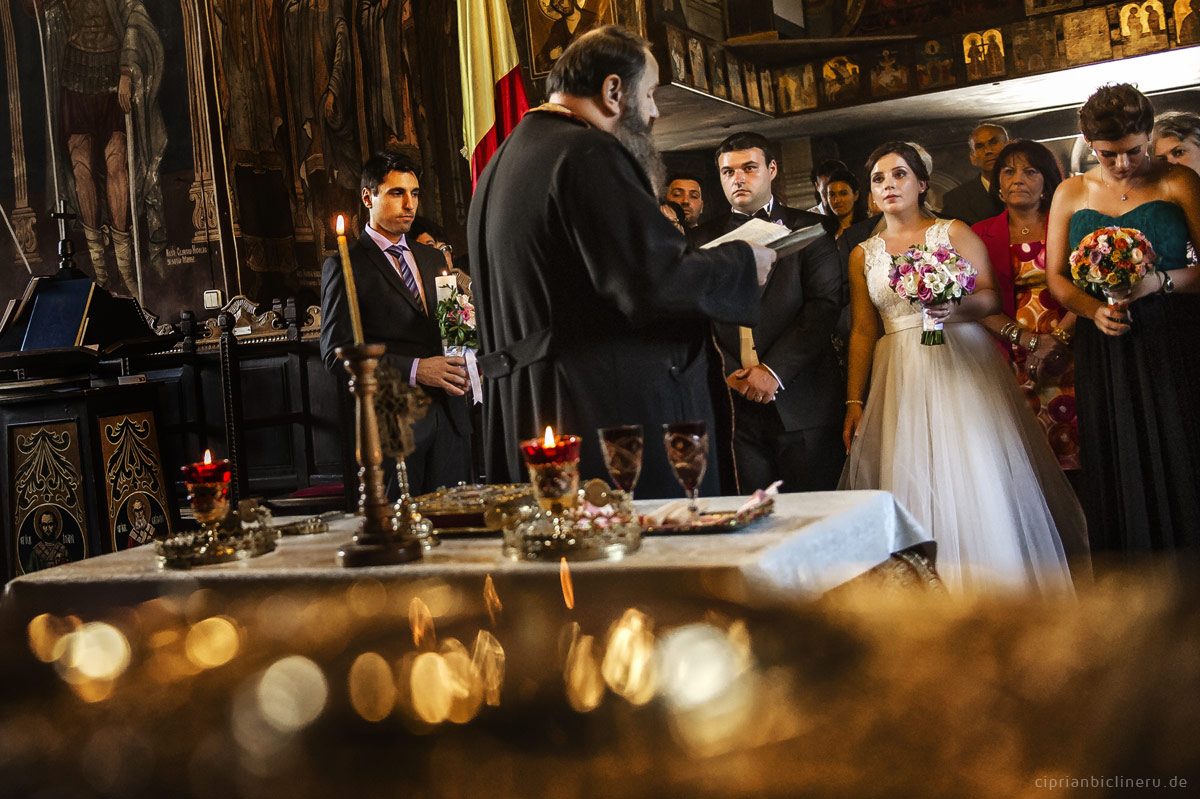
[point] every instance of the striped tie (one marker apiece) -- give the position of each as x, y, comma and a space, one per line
410, 280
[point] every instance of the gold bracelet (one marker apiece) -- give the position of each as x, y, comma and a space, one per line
1061, 334
854, 402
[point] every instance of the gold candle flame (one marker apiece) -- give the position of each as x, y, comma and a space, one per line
348, 277
491, 599
420, 619
564, 576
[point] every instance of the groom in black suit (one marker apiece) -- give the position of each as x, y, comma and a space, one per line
397, 300
788, 393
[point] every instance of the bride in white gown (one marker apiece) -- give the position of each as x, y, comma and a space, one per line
945, 428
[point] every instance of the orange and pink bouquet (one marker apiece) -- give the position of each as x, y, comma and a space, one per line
1111, 261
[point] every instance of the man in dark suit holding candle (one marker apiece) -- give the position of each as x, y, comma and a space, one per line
394, 276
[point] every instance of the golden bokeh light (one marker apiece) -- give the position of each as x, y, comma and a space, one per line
96, 651
629, 666
47, 633
421, 622
367, 598
698, 664
488, 657
372, 687
585, 683
292, 693
212, 642
465, 684
430, 680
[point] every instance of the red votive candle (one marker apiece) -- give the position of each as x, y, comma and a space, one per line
208, 471
208, 488
550, 449
553, 463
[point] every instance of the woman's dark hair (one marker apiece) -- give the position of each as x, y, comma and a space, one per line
1040, 158
1178, 125
591, 58
859, 212
910, 156
1114, 112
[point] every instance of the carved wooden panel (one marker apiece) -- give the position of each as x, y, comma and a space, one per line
46, 490
134, 484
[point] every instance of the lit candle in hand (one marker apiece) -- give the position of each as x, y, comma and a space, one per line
348, 277
447, 286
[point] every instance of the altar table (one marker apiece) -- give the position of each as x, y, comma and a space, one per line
812, 543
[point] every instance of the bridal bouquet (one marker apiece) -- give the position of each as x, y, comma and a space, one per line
931, 276
456, 320
1112, 260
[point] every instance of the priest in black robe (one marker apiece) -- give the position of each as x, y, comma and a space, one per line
593, 311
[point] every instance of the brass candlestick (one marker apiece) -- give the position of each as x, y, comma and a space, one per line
375, 543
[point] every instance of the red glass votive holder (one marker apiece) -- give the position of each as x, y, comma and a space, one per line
553, 470
208, 489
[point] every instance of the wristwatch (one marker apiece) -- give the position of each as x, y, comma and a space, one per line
1168, 285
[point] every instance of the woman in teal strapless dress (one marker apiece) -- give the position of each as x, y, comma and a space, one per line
1137, 365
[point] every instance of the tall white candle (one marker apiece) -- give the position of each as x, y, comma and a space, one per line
447, 286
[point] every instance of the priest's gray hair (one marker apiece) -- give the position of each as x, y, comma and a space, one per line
583, 66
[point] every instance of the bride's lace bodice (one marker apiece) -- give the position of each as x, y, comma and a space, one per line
878, 264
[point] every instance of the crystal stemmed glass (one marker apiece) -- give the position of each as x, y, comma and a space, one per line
687, 452
622, 446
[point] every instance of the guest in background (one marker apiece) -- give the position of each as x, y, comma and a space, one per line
820, 181
1177, 139
974, 201
783, 371
1137, 366
685, 190
1033, 328
426, 231
845, 200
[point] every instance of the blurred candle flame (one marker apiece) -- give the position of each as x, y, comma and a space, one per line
491, 599
488, 658
341, 225
584, 682
208, 457
548, 439
629, 665
568, 590
421, 622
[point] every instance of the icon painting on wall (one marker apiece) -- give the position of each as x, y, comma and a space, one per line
554, 24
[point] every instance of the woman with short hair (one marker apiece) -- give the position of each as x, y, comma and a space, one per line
1137, 362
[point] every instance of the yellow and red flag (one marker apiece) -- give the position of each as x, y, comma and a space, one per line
493, 89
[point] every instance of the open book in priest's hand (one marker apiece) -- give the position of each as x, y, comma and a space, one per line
768, 234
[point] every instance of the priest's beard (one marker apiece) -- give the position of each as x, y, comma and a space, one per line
634, 134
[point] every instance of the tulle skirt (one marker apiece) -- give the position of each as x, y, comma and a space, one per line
948, 432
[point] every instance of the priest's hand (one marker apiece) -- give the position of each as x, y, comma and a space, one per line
764, 259
756, 384
447, 373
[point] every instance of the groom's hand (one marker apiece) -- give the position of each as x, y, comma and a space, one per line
756, 384
448, 373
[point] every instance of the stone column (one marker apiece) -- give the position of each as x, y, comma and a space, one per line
22, 215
